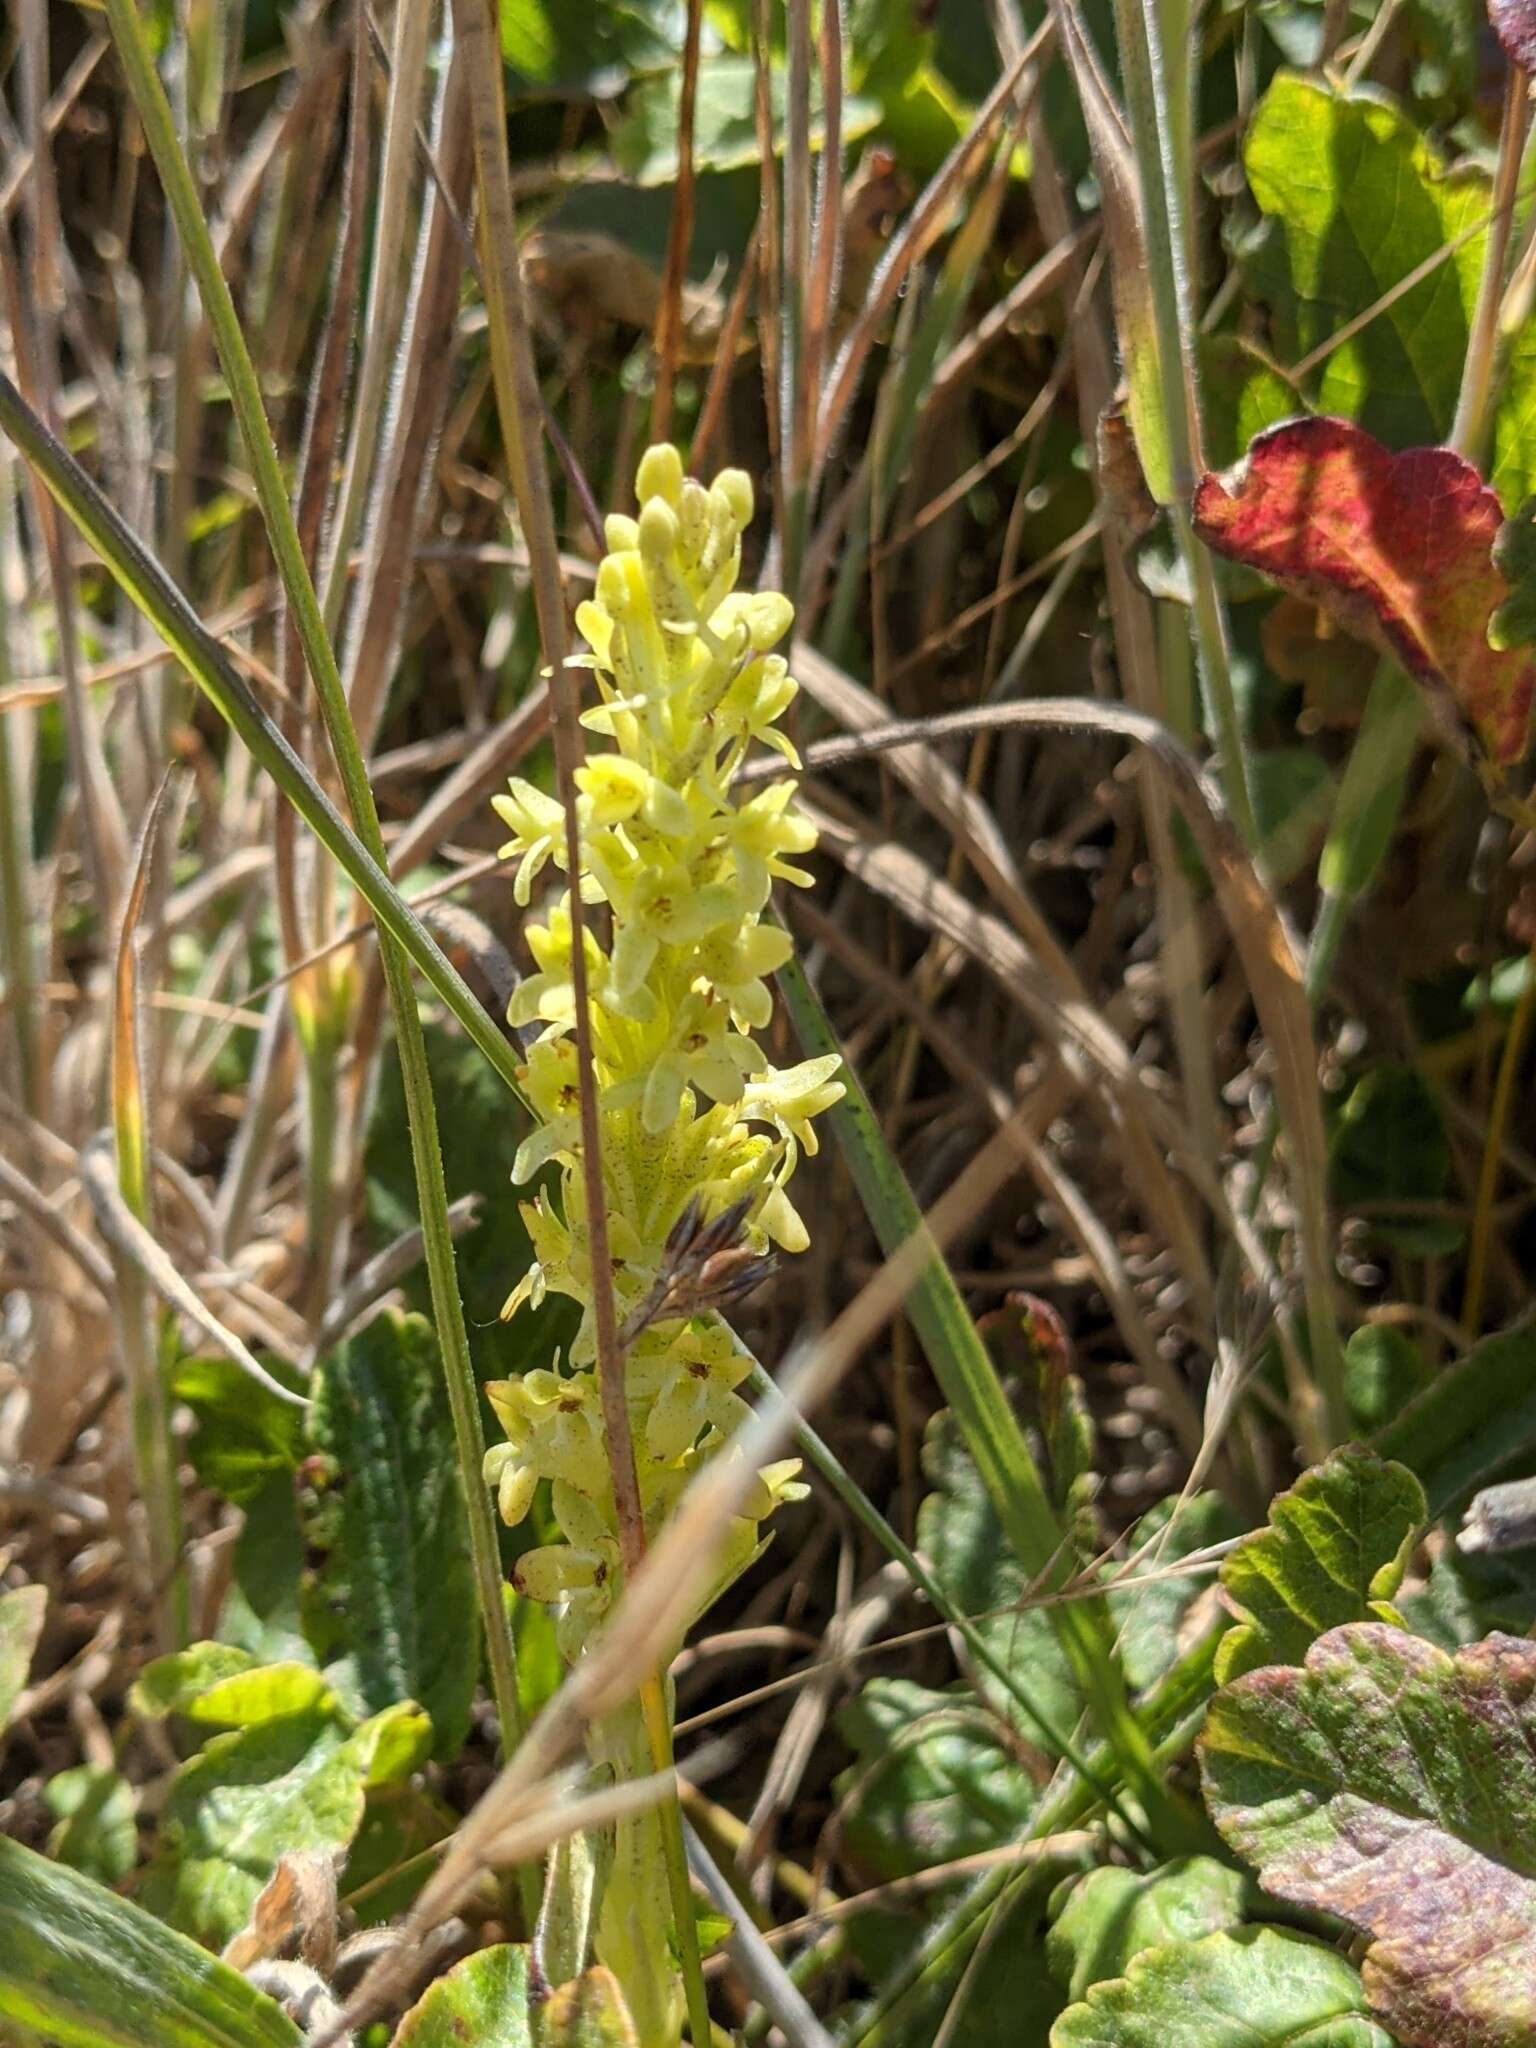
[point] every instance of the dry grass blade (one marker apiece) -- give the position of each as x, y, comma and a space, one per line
924, 225
1076, 1030
669, 319
417, 401
1270, 959
131, 1240
1037, 1159
376, 1276
407, 70
31, 1199
126, 1176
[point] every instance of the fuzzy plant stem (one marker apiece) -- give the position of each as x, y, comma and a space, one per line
245, 395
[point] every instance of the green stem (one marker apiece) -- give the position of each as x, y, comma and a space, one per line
1158, 118
245, 396
638, 1915
655, 1702
321, 1044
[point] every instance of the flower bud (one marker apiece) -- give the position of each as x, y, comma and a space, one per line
658, 530
735, 487
613, 585
694, 513
660, 474
769, 617
620, 533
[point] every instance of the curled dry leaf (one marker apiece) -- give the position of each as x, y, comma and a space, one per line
1397, 548
1395, 1786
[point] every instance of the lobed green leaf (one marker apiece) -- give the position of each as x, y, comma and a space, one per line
1113, 1915
482, 2001
1394, 1786
1334, 1552
1257, 1988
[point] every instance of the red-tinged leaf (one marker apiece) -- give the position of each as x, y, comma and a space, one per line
1514, 23
1395, 1787
1398, 549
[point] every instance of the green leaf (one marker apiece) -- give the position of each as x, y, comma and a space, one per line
388, 1863
97, 1832
481, 2003
1394, 1787
1000, 1994
1514, 555
583, 43
262, 1611
82, 1967
1029, 1340
587, 2012
725, 121
932, 1780
1389, 1145
1257, 1988
21, 1623
1358, 200
961, 1534
564, 1928
400, 1576
269, 1693
1112, 1915
1241, 395
1471, 1421
1334, 1551
1292, 799
1467, 1597
172, 1685
290, 1786
244, 1437
1383, 1370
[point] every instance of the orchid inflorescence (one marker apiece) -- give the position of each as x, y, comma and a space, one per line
700, 1133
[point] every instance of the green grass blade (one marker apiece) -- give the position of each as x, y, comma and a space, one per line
992, 1433
146, 584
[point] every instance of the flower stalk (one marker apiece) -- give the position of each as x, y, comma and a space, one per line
698, 1133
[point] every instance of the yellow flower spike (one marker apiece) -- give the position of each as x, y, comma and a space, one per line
693, 1114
